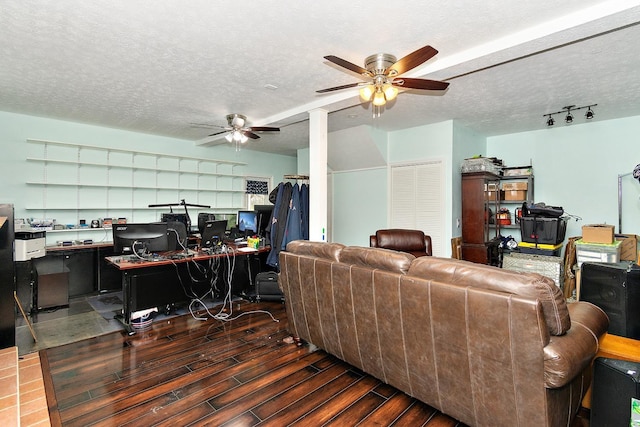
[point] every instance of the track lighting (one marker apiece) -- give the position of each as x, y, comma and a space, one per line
568, 119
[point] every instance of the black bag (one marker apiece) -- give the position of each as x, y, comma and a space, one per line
267, 288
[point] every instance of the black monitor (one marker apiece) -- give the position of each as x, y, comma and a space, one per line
213, 232
203, 218
264, 216
247, 222
175, 216
178, 235
142, 238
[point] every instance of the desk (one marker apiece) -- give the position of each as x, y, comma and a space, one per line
615, 347
169, 279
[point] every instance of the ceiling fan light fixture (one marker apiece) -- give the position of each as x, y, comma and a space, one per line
379, 99
390, 91
243, 138
366, 93
229, 137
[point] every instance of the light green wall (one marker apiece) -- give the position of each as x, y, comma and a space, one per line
577, 166
359, 205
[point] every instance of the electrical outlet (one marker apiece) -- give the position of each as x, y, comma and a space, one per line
458, 222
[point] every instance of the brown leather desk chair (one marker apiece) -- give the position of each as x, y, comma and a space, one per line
414, 242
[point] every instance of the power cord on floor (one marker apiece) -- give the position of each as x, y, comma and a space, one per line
222, 314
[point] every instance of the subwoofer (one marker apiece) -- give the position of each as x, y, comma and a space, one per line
615, 383
615, 288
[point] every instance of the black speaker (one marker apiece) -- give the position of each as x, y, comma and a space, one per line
615, 288
615, 383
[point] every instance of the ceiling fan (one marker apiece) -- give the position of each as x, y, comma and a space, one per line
238, 132
383, 71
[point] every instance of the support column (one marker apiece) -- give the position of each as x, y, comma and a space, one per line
318, 120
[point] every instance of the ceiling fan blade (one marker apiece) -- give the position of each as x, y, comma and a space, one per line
218, 133
423, 84
250, 134
331, 89
263, 129
413, 60
348, 65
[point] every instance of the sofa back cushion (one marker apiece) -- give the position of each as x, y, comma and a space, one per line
377, 258
316, 249
530, 285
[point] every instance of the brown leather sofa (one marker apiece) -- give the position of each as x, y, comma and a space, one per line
487, 346
414, 242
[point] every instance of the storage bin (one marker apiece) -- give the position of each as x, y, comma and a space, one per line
540, 249
548, 266
535, 229
482, 164
597, 252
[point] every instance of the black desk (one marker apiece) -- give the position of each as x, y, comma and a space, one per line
167, 280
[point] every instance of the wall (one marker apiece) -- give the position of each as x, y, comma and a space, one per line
577, 166
15, 129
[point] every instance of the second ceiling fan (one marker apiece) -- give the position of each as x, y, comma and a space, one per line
238, 132
383, 72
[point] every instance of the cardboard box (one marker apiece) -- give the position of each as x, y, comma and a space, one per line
628, 247
517, 195
597, 233
508, 186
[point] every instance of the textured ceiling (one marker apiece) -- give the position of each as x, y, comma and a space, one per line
174, 68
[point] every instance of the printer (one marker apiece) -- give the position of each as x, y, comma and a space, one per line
29, 243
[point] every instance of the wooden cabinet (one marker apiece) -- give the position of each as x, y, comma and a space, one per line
480, 201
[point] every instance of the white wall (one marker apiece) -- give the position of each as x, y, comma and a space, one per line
577, 166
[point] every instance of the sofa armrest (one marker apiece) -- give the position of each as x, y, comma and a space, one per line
427, 245
567, 355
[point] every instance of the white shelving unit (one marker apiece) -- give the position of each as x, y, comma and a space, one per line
69, 182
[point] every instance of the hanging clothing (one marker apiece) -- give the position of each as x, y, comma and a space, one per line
293, 229
279, 222
304, 210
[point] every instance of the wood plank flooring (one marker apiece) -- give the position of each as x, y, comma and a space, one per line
238, 373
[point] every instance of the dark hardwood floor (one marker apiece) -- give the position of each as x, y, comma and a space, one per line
239, 373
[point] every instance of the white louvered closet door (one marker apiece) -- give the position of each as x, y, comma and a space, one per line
417, 200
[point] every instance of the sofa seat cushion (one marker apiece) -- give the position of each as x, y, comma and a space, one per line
377, 258
531, 285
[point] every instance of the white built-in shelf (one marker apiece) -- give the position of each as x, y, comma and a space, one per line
72, 181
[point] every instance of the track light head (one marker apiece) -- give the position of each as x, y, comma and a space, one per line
550, 121
589, 114
569, 118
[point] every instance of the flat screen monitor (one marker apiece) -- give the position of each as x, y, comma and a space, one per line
175, 216
213, 232
264, 216
177, 235
142, 238
247, 222
203, 218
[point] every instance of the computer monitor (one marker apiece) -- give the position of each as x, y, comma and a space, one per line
178, 235
247, 222
213, 232
175, 216
203, 218
264, 216
142, 238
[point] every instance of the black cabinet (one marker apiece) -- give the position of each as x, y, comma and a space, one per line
7, 278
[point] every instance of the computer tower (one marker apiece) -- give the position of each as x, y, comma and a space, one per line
615, 288
615, 383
